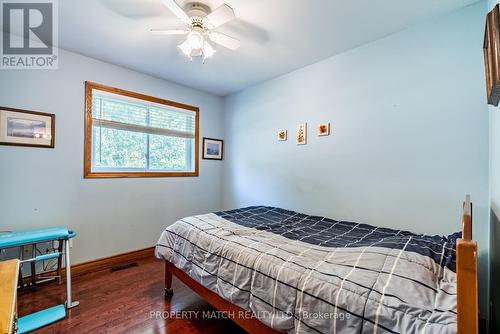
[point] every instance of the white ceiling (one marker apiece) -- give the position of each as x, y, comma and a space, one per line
277, 36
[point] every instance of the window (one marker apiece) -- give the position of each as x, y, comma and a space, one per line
134, 135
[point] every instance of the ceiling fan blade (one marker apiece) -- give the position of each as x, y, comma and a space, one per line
169, 32
224, 40
174, 8
219, 16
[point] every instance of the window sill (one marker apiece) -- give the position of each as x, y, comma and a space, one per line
115, 175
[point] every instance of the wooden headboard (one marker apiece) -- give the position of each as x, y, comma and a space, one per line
467, 300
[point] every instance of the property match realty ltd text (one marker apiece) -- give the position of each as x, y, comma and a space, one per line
242, 315
29, 36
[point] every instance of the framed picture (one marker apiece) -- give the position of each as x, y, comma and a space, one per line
324, 129
213, 149
491, 53
302, 134
26, 128
282, 135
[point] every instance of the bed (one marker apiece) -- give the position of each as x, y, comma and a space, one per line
277, 271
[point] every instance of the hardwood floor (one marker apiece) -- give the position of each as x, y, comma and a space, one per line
122, 302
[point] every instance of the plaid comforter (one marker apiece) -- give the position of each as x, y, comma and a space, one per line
307, 274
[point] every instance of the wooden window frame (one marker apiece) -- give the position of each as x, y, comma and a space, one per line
87, 159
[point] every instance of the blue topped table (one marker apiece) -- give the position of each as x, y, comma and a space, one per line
32, 237
26, 237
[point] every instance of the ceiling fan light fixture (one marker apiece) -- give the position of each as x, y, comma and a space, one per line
208, 50
195, 39
186, 48
200, 22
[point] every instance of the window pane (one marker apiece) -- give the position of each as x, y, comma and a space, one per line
172, 120
119, 111
169, 153
134, 134
118, 149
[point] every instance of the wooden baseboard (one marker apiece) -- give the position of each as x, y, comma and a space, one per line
104, 263
109, 262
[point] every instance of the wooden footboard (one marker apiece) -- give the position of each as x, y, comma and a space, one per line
467, 300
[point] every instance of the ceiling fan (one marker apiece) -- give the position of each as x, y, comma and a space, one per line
200, 24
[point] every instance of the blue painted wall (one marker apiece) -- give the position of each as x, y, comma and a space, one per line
495, 209
410, 134
41, 187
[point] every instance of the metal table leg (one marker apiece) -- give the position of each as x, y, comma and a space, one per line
69, 302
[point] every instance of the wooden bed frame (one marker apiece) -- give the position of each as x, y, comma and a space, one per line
467, 302
466, 270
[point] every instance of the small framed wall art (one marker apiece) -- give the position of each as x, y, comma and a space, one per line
324, 129
282, 135
301, 134
213, 149
26, 128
